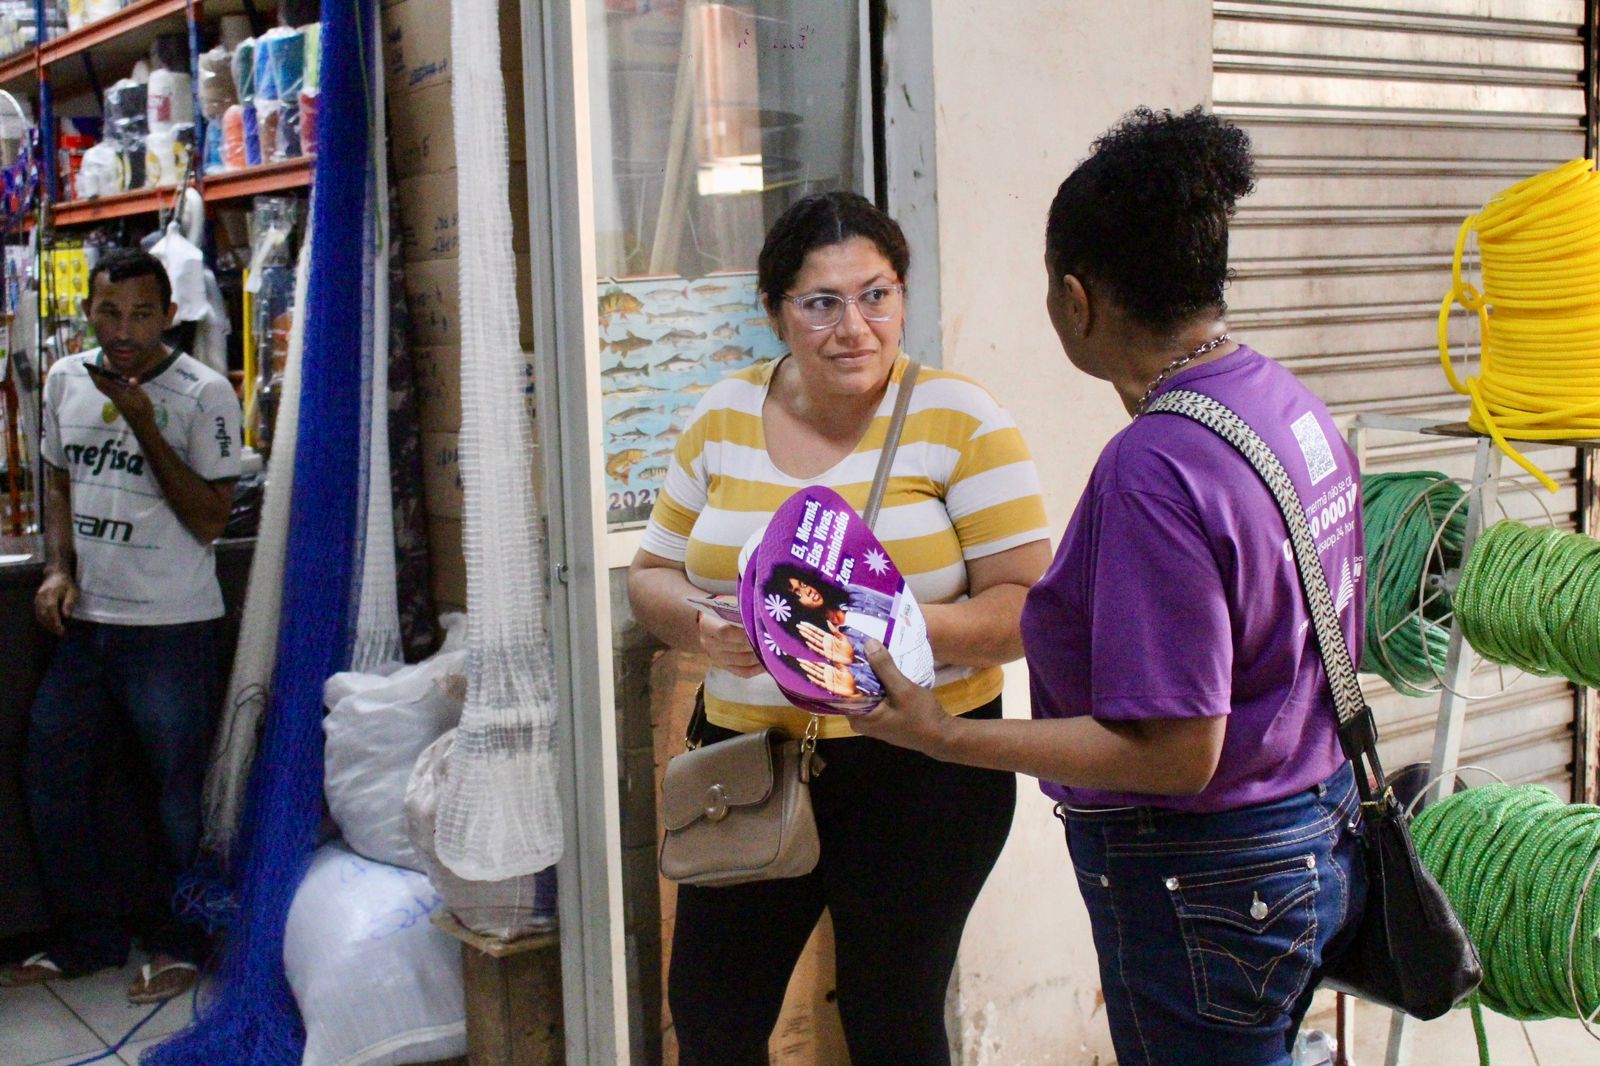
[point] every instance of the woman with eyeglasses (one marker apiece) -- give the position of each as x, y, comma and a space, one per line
1183, 718
907, 841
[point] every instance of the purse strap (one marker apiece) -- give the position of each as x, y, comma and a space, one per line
1358, 732
891, 443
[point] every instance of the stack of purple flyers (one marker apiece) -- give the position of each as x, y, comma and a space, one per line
816, 588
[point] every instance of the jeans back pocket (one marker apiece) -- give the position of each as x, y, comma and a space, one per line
1251, 935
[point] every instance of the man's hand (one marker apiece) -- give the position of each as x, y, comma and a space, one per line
130, 398
54, 601
727, 646
910, 716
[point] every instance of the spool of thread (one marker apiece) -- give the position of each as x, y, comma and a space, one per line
244, 69
312, 31
308, 122
289, 133
126, 111
138, 175
234, 156
217, 90
252, 137
170, 100
233, 30
211, 157
1530, 598
281, 64
100, 174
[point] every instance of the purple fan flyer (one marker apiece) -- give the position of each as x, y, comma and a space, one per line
815, 590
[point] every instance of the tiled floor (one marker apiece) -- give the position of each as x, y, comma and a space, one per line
64, 1022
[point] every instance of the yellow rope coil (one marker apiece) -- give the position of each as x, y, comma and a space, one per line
1538, 314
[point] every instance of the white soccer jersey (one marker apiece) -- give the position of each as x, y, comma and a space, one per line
137, 563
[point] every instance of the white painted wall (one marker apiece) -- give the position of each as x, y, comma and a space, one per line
1021, 88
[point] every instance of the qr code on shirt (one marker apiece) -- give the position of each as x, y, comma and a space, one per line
1314, 446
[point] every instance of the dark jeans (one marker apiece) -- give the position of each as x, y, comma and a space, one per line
1212, 929
907, 843
162, 681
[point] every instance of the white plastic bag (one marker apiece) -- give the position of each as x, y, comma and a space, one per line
186, 267
376, 982
508, 909
376, 727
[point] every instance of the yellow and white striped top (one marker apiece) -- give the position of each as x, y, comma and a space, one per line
963, 486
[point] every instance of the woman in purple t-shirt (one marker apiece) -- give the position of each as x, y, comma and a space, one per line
1183, 721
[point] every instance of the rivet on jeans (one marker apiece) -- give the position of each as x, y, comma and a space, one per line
1351, 825
1172, 884
1311, 862
1105, 882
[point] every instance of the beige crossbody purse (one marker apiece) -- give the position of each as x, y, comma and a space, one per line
740, 810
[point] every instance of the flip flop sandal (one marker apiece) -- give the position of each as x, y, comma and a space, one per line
35, 970
156, 984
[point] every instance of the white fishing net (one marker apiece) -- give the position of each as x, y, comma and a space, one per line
257, 654
377, 637
499, 815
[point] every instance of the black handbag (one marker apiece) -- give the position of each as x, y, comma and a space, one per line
1410, 953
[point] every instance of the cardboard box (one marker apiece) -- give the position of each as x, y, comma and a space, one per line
422, 134
417, 52
441, 475
438, 371
430, 225
433, 293
448, 564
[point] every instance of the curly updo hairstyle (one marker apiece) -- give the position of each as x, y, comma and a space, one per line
1145, 217
818, 221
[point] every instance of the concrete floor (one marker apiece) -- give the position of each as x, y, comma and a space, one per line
1448, 1041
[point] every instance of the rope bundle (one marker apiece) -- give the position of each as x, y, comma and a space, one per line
1519, 867
1408, 627
1530, 598
1539, 313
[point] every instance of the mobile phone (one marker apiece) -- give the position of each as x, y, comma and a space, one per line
96, 370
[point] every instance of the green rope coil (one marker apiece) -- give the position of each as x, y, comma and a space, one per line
1408, 628
1530, 598
1518, 865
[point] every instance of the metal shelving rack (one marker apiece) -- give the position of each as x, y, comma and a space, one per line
1482, 500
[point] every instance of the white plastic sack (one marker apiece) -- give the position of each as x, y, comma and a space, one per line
186, 268
508, 909
376, 982
376, 727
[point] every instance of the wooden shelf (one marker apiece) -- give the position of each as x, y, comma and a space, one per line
101, 208
142, 13
271, 177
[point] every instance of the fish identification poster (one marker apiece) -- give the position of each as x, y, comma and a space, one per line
664, 341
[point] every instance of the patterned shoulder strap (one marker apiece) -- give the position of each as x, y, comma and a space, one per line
1356, 729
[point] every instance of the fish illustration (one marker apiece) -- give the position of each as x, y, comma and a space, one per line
652, 473
626, 345
675, 364
729, 354
729, 308
679, 338
694, 389
667, 294
710, 289
616, 302
674, 316
760, 320
627, 416
629, 436
624, 373
686, 411
636, 390
618, 465
663, 453
725, 332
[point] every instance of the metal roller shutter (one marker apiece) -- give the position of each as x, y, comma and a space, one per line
1376, 133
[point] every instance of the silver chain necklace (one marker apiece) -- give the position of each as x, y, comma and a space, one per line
1175, 366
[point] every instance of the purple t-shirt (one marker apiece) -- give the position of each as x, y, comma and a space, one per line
1175, 594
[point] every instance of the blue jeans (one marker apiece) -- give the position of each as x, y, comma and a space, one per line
163, 682
1212, 929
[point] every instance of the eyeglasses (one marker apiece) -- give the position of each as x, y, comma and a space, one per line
824, 310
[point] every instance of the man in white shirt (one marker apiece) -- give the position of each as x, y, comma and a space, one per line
142, 446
